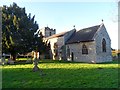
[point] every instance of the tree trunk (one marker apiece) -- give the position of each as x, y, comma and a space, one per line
13, 57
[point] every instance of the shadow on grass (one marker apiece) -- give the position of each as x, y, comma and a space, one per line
63, 61
113, 62
60, 78
23, 62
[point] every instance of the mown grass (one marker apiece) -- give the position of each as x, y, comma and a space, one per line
59, 74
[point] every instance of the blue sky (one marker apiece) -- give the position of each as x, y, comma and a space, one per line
63, 15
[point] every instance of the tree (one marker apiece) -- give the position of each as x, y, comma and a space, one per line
18, 30
47, 49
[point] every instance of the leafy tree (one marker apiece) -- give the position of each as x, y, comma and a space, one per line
18, 30
42, 47
48, 49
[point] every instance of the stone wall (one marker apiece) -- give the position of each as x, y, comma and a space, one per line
60, 43
100, 55
46, 31
76, 48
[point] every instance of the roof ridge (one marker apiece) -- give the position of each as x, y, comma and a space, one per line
88, 27
85, 34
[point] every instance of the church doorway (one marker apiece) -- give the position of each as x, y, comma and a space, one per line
72, 56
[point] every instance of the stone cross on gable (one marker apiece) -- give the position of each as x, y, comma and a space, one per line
74, 26
102, 20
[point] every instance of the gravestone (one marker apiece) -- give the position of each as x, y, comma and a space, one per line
35, 63
10, 61
3, 62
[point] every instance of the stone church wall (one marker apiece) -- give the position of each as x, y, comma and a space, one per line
60, 43
95, 53
46, 31
76, 48
100, 55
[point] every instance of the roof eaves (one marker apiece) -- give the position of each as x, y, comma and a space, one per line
80, 41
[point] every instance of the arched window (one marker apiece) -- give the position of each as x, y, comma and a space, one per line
84, 49
68, 52
55, 49
103, 45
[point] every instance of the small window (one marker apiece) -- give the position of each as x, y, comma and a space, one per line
103, 45
84, 49
50, 34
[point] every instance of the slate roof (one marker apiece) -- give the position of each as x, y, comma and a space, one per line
84, 35
57, 35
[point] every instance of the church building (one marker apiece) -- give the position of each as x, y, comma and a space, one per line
92, 45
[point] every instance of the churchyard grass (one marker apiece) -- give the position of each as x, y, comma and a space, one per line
60, 74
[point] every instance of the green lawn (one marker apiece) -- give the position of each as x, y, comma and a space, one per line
61, 75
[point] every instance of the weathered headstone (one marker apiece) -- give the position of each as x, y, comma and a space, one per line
10, 61
35, 63
2, 60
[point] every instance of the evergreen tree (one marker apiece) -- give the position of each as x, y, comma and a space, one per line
18, 30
